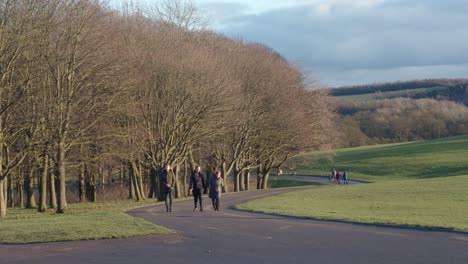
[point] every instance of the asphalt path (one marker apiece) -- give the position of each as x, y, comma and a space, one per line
232, 236
322, 179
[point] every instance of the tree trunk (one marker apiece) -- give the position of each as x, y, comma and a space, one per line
185, 178
134, 180
140, 182
20, 187
52, 193
177, 190
153, 187
247, 180
2, 195
62, 195
82, 184
259, 177
91, 189
29, 189
8, 191
131, 187
266, 175
160, 189
225, 177
43, 186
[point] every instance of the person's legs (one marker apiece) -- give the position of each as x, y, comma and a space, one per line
165, 200
200, 197
195, 198
217, 204
170, 201
213, 202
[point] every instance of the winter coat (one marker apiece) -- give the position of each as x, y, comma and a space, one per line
197, 182
168, 178
216, 187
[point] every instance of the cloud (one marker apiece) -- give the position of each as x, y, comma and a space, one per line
359, 41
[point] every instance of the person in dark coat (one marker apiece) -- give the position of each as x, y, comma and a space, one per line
338, 177
345, 177
167, 182
216, 184
197, 186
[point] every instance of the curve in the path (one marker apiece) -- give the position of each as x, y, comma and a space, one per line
232, 236
312, 178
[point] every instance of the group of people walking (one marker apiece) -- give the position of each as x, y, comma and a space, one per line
197, 187
336, 177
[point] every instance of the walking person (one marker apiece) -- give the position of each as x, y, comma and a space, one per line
167, 182
345, 177
197, 186
333, 175
338, 177
216, 184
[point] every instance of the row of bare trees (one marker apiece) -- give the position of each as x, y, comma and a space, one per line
86, 89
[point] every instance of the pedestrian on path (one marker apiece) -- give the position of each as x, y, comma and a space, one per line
197, 186
167, 182
216, 184
345, 177
338, 177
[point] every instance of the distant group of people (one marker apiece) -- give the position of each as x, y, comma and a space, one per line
197, 187
336, 177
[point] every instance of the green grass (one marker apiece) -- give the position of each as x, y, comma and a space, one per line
414, 160
102, 220
435, 203
283, 183
389, 95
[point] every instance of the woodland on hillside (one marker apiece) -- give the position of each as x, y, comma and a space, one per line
96, 100
399, 120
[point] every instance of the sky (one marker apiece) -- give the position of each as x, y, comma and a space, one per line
349, 42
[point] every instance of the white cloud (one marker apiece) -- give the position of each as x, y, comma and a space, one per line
323, 9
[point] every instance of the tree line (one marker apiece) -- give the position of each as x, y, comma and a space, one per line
91, 94
399, 120
455, 89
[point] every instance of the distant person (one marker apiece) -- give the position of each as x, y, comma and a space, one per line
345, 177
167, 182
280, 171
333, 175
338, 177
197, 186
216, 184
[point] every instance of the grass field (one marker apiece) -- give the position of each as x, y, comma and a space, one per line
436, 203
86, 221
415, 160
389, 95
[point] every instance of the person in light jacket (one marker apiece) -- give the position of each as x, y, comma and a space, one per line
167, 182
216, 185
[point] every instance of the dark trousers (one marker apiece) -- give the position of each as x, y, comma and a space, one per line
197, 196
168, 196
215, 202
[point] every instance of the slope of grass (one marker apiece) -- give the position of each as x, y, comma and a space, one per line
86, 221
422, 159
436, 203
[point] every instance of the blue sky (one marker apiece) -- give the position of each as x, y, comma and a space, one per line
346, 42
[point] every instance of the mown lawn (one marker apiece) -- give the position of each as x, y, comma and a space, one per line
436, 203
414, 160
102, 220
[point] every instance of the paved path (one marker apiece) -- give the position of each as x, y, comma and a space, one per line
321, 179
231, 236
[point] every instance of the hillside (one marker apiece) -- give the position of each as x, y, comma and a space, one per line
414, 160
441, 89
